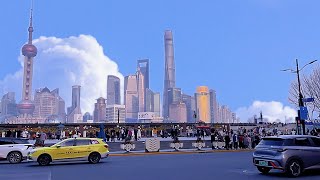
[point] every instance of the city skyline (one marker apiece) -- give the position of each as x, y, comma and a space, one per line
229, 94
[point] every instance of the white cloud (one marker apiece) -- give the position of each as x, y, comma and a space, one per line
273, 111
64, 62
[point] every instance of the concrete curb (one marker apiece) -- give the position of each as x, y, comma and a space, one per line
176, 152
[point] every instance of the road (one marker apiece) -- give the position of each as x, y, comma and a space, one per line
220, 165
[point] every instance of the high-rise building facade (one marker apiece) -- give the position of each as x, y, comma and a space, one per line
141, 90
87, 117
169, 74
49, 104
191, 107
99, 114
143, 66
113, 90
178, 112
74, 112
156, 103
149, 100
29, 51
203, 104
213, 106
174, 95
8, 105
115, 113
131, 99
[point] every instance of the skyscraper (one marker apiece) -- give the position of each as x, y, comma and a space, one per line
115, 113
149, 100
29, 51
131, 99
191, 107
8, 105
141, 90
156, 103
99, 114
49, 104
203, 104
178, 112
87, 117
169, 74
74, 112
213, 106
113, 90
174, 95
143, 65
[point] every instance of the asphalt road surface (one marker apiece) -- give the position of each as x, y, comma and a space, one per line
218, 165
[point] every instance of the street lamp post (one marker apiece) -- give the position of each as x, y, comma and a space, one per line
300, 99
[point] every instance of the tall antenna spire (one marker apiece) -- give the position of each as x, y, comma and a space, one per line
30, 29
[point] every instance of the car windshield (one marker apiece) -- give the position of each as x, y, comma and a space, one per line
272, 142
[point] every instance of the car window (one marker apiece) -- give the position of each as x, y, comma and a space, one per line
94, 142
272, 142
316, 142
21, 141
5, 141
83, 142
68, 143
302, 142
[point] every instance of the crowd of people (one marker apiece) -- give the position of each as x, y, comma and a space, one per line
221, 138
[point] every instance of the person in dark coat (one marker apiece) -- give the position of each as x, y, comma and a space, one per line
212, 137
227, 141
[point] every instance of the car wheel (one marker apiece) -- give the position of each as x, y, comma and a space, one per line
294, 168
44, 160
14, 157
94, 158
264, 170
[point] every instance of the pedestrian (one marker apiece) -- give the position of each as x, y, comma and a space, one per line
43, 137
154, 132
212, 138
139, 133
113, 135
235, 141
227, 141
135, 134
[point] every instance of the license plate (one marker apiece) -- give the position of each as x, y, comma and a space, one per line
263, 163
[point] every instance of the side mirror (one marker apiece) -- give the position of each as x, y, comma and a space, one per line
58, 146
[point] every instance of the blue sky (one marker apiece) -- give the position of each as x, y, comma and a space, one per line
235, 47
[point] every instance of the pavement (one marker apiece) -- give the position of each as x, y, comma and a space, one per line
222, 165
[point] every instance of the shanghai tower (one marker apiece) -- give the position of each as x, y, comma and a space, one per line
29, 51
169, 71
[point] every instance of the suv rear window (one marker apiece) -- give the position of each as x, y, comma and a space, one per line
302, 142
276, 142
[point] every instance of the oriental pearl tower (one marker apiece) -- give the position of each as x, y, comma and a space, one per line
29, 51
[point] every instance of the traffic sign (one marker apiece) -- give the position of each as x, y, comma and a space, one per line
303, 113
308, 99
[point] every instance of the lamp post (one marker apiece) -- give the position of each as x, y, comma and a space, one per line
300, 99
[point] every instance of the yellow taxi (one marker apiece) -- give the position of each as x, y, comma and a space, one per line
73, 149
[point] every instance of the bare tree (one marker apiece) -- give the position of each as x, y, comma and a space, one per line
310, 87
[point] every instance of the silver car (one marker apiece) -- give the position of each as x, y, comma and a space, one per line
290, 153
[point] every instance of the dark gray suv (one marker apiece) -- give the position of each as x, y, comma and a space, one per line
290, 153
